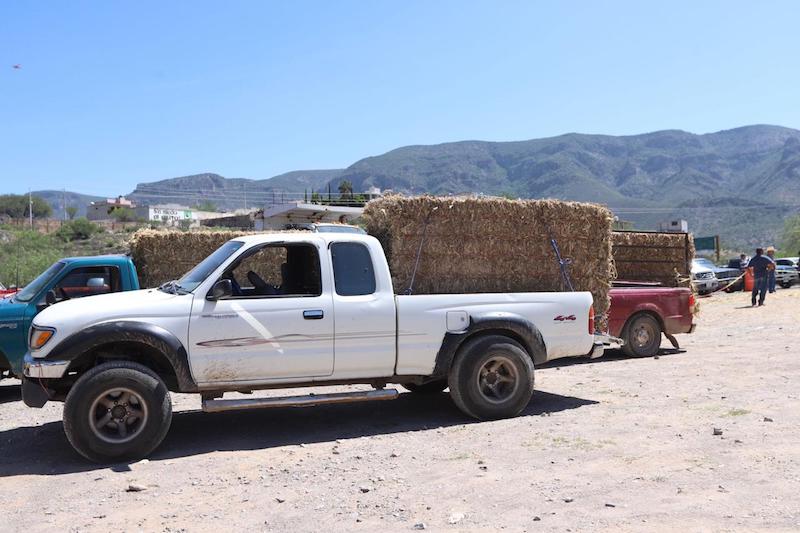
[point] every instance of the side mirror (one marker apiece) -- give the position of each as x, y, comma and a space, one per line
49, 299
223, 288
95, 283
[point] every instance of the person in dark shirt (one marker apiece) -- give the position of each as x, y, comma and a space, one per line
761, 265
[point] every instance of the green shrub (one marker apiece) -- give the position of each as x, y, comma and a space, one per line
78, 229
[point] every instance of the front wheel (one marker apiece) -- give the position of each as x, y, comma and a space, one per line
643, 337
117, 411
786, 284
491, 377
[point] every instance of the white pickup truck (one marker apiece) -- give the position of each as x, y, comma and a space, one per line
288, 310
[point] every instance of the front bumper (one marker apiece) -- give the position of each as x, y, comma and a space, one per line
43, 369
603, 342
705, 285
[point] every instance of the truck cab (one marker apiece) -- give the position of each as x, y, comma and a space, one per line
66, 279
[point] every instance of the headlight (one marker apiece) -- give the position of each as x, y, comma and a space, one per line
40, 336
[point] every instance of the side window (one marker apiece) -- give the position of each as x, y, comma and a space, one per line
352, 269
88, 281
276, 271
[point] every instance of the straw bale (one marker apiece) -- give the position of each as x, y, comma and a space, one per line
162, 256
477, 245
650, 256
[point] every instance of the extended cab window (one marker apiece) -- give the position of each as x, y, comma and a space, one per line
352, 269
88, 281
276, 270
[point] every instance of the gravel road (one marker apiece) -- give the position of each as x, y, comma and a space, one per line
702, 439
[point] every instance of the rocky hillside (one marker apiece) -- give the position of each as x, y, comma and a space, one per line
739, 183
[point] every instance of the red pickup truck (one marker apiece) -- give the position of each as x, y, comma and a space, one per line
641, 312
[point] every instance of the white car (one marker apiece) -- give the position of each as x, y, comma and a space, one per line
704, 280
786, 271
288, 310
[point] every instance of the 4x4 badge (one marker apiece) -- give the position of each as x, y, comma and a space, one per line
562, 318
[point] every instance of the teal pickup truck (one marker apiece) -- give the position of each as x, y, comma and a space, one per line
73, 277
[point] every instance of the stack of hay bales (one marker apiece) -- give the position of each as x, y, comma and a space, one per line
650, 256
493, 244
161, 256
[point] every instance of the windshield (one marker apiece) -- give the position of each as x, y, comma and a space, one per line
195, 277
33, 288
704, 263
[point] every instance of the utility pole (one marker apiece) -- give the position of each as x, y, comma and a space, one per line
30, 208
64, 204
244, 185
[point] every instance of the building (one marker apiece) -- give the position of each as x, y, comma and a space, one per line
174, 215
102, 210
168, 214
674, 226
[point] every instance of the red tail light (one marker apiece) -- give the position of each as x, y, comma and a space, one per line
691, 303
591, 320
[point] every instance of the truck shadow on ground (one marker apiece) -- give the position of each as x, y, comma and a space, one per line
609, 357
44, 450
10, 393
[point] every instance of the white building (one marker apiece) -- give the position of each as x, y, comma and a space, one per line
174, 215
674, 226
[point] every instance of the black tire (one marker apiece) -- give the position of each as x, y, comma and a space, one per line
786, 285
511, 386
642, 336
101, 392
432, 387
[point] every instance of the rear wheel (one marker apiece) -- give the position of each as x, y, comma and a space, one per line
117, 411
643, 336
491, 377
432, 387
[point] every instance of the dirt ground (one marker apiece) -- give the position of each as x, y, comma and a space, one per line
611, 444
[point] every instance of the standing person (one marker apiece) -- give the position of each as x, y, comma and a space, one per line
761, 264
771, 271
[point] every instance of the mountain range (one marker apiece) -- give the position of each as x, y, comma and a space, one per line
738, 183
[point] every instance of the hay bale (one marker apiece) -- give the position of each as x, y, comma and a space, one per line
651, 256
161, 256
493, 244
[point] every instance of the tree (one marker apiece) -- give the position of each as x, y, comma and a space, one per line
78, 229
345, 190
17, 206
207, 205
316, 198
791, 235
123, 214
71, 212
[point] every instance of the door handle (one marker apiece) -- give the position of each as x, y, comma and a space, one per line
313, 314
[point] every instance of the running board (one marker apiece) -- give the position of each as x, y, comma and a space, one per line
216, 406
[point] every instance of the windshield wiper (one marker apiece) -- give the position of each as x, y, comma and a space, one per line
173, 287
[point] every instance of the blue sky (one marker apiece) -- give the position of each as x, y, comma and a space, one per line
115, 93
